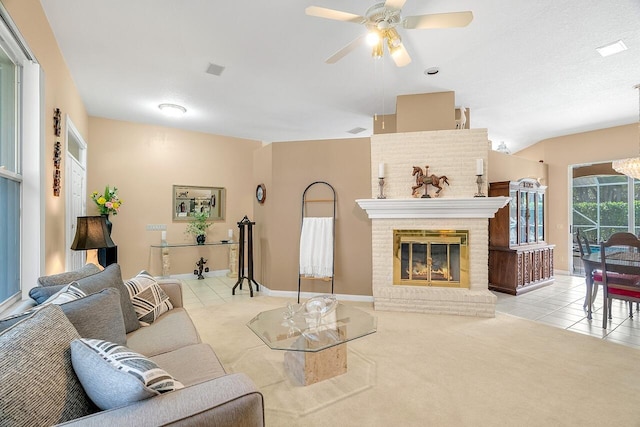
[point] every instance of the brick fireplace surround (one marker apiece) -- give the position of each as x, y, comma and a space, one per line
452, 153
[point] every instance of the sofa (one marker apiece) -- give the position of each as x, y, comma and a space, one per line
208, 395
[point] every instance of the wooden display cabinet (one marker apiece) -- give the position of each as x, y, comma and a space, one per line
519, 258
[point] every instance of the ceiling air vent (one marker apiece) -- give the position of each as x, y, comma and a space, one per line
356, 130
215, 69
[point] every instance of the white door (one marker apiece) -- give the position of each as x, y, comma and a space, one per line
76, 192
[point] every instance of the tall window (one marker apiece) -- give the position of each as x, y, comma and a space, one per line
10, 179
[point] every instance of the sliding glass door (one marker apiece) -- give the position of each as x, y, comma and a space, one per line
603, 203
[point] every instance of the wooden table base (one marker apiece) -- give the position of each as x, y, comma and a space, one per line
306, 368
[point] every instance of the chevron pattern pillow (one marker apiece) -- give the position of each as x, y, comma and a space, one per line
113, 375
147, 297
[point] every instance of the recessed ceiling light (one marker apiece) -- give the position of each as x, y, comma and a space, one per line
612, 48
173, 110
431, 71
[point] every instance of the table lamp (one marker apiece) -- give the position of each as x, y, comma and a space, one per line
92, 233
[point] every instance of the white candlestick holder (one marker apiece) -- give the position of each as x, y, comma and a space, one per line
381, 188
479, 181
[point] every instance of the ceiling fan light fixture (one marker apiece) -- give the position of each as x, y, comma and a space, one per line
173, 110
373, 37
378, 50
393, 38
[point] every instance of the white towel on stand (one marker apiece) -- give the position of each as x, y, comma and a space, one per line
316, 247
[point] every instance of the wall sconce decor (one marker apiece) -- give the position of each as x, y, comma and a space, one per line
57, 158
56, 121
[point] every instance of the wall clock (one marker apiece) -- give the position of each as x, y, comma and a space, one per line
261, 193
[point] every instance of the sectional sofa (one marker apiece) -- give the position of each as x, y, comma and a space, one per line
43, 358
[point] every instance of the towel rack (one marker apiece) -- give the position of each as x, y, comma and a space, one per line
305, 202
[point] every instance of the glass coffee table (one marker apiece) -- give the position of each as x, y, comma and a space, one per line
315, 343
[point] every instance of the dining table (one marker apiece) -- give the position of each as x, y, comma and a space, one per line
620, 262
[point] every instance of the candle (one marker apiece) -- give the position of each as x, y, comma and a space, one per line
164, 236
230, 233
381, 170
479, 167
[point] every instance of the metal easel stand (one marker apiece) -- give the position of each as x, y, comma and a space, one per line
249, 225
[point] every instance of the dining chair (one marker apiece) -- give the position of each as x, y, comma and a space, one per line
620, 265
596, 275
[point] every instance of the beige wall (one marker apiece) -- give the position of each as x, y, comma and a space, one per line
59, 92
561, 152
427, 111
144, 162
345, 164
507, 167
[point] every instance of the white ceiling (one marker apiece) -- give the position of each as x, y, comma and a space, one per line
528, 70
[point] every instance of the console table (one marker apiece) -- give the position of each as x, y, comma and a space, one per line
165, 254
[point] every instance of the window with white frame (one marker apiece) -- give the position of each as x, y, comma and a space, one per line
21, 214
10, 178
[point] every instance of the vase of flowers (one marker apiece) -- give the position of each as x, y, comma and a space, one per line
108, 203
198, 226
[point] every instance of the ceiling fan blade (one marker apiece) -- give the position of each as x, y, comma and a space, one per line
438, 20
394, 4
401, 56
345, 50
336, 15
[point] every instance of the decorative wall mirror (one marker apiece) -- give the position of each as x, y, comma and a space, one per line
187, 200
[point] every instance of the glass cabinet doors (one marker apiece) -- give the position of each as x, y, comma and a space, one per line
529, 223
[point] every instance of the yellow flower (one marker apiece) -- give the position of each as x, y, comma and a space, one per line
102, 201
116, 205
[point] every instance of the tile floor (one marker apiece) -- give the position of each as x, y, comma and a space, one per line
558, 305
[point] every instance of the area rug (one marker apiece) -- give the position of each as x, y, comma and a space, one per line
439, 370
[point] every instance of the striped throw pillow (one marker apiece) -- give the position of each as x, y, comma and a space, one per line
148, 299
113, 375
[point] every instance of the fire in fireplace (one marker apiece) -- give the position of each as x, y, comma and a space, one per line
431, 258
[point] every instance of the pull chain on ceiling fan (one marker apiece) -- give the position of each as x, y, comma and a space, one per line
381, 21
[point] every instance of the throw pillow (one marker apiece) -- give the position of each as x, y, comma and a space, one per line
114, 376
95, 316
147, 297
39, 386
68, 276
111, 277
68, 293
65, 294
42, 293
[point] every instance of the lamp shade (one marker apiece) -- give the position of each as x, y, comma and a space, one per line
91, 233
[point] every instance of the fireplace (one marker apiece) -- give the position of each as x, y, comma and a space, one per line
442, 289
431, 258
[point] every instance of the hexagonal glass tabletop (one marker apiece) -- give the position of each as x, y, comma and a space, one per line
294, 328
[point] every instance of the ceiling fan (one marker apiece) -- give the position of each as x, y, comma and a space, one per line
381, 21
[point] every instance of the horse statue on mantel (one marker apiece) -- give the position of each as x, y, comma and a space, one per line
423, 179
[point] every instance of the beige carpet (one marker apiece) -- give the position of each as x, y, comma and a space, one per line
432, 370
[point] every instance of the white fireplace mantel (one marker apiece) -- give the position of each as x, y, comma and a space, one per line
473, 207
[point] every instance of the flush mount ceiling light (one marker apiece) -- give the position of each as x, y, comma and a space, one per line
173, 110
630, 167
612, 48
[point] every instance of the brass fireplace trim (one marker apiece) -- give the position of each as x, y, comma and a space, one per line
433, 236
